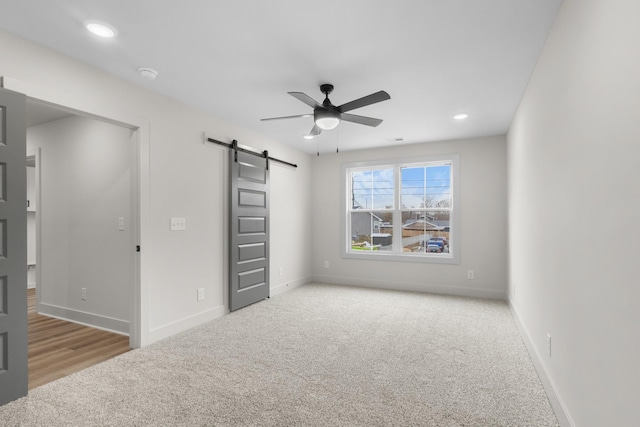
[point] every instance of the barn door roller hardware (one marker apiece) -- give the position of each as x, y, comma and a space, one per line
265, 153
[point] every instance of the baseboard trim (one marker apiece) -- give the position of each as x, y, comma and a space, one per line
414, 287
285, 287
105, 323
165, 331
559, 408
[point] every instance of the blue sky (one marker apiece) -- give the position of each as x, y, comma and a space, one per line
373, 189
421, 182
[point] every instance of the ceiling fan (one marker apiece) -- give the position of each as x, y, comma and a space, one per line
327, 116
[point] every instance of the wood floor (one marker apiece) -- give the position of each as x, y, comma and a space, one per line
58, 348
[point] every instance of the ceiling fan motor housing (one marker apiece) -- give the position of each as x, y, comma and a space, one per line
327, 116
326, 88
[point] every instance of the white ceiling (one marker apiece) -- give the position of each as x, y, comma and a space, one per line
238, 59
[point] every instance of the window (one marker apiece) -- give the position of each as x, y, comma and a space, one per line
402, 210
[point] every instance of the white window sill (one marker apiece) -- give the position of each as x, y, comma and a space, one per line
404, 257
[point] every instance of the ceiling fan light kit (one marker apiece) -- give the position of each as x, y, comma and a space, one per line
327, 116
326, 120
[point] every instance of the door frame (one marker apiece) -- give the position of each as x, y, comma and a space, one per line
35, 153
140, 292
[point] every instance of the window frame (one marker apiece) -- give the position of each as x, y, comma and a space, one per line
453, 257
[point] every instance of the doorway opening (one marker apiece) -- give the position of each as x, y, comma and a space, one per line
82, 233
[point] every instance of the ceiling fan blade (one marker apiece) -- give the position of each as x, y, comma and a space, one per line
361, 120
305, 98
287, 117
315, 130
364, 101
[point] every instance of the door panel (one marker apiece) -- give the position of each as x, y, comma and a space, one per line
249, 234
252, 251
13, 247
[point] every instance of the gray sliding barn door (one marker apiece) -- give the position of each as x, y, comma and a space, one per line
249, 220
13, 247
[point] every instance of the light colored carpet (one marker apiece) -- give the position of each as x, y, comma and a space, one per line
319, 355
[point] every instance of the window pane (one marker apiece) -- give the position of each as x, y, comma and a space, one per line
371, 231
413, 187
372, 189
426, 187
425, 231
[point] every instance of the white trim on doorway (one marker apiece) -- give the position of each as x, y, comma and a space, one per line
105, 323
139, 334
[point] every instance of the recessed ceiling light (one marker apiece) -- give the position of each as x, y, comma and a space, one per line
101, 29
309, 137
148, 73
461, 116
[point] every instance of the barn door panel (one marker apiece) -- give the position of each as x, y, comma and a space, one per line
249, 231
13, 247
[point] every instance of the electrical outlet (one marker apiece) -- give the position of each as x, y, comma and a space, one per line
549, 344
200, 294
281, 271
83, 294
326, 264
471, 274
121, 224
178, 224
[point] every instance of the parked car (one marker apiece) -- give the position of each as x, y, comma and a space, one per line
444, 240
435, 246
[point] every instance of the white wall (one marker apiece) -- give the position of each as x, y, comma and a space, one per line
483, 223
574, 159
86, 182
289, 222
186, 178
